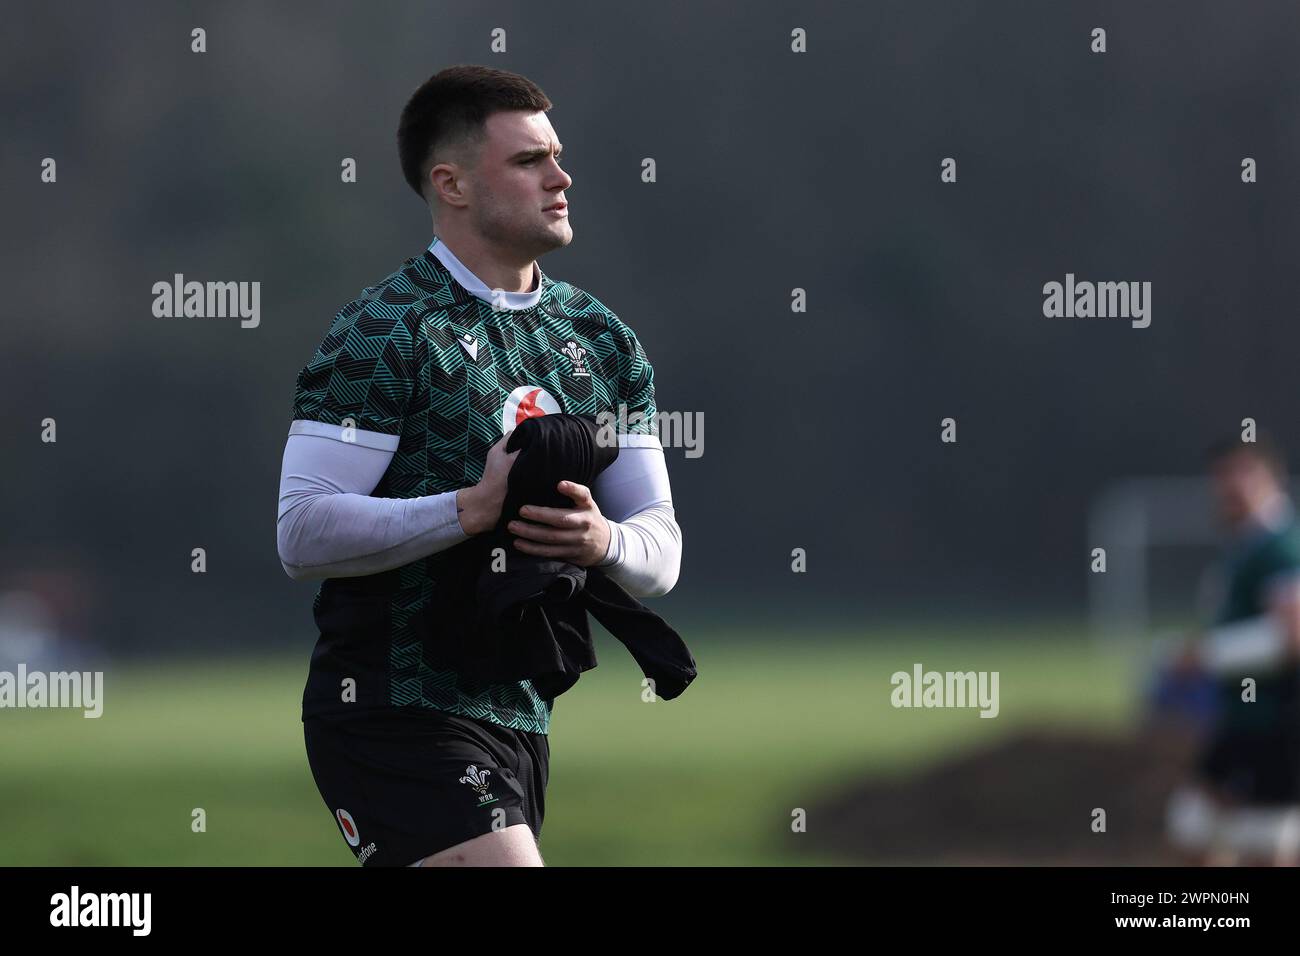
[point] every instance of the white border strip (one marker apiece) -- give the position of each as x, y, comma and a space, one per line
638, 440
365, 439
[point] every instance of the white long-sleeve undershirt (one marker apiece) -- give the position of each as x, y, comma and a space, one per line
329, 525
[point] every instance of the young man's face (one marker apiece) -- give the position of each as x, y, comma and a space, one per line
516, 179
1242, 483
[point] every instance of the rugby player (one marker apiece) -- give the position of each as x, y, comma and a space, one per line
395, 454
1244, 803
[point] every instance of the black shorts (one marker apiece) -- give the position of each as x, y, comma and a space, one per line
1254, 767
402, 784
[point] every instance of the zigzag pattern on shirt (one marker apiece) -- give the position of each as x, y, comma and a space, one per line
392, 362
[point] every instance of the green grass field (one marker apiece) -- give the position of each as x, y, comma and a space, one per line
710, 778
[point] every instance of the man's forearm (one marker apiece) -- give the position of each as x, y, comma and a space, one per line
329, 525
326, 535
645, 552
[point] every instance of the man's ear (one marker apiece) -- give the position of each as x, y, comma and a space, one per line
442, 184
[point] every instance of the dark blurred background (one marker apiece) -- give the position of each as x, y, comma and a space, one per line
776, 170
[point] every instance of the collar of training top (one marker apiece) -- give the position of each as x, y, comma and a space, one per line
475, 286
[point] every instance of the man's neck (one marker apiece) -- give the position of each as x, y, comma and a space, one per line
499, 299
488, 264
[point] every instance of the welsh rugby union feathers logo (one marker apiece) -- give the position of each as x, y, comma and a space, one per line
576, 354
478, 782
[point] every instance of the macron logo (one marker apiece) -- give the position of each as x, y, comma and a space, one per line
102, 909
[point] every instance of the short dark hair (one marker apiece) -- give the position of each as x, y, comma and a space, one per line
449, 109
1264, 448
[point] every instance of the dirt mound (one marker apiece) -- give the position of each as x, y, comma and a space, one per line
1026, 800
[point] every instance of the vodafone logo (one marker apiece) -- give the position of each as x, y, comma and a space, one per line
348, 826
527, 401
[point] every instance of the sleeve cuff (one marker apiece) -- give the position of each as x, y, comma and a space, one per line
448, 516
357, 436
614, 551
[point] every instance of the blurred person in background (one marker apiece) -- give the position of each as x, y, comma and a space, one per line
1243, 804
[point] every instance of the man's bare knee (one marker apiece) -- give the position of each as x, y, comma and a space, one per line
511, 846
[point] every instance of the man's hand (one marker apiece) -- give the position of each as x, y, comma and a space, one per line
579, 535
478, 507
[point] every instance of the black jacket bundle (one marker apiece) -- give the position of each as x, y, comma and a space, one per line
528, 621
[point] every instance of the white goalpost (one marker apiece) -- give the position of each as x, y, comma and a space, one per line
1129, 519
